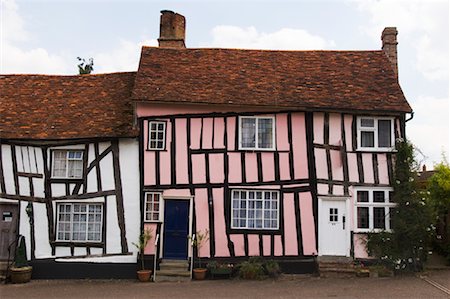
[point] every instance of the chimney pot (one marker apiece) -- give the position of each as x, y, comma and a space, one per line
172, 30
389, 46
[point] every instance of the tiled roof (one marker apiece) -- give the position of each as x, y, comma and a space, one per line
342, 80
66, 107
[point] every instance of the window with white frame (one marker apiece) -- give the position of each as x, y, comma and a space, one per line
152, 206
256, 133
252, 209
373, 209
375, 133
156, 135
79, 222
67, 164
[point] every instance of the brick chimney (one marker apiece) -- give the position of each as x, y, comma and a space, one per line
172, 30
389, 47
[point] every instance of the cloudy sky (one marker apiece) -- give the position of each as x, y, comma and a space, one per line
45, 37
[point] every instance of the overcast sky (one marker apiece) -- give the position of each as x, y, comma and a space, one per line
45, 37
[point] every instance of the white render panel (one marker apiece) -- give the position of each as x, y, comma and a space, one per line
92, 181
8, 169
112, 229
79, 251
38, 185
19, 158
24, 227
129, 169
96, 251
43, 248
106, 166
58, 189
62, 251
24, 186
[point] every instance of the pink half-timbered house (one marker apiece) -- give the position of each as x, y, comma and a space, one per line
286, 155
279, 154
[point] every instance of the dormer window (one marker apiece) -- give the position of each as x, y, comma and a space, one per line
375, 133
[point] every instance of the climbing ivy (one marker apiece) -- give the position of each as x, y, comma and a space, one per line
406, 246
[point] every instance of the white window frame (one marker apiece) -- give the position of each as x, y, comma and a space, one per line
156, 148
71, 222
146, 219
387, 205
67, 151
257, 148
374, 129
263, 209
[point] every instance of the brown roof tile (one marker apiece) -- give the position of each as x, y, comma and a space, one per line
342, 80
66, 107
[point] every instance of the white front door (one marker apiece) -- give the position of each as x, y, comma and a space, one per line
333, 227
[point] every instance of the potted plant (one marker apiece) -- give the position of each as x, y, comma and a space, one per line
216, 268
20, 271
143, 274
197, 243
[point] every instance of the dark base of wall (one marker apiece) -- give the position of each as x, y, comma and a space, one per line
289, 265
49, 269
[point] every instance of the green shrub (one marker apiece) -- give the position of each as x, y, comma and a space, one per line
251, 270
272, 268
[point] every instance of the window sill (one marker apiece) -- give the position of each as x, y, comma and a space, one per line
78, 243
55, 180
376, 150
257, 149
370, 230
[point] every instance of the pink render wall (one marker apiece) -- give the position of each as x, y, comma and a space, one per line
209, 134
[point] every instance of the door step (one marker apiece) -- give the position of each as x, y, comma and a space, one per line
173, 270
336, 266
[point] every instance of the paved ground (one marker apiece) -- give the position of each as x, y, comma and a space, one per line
288, 287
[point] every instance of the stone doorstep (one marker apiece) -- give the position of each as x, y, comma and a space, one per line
174, 265
164, 278
171, 272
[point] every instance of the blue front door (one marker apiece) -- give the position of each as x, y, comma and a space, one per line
176, 219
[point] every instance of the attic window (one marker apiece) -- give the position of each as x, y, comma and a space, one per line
156, 135
256, 133
375, 133
67, 164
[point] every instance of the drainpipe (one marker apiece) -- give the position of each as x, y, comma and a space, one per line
154, 260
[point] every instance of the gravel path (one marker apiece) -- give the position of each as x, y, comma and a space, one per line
288, 287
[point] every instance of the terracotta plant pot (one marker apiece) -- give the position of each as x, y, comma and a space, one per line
144, 275
20, 275
199, 273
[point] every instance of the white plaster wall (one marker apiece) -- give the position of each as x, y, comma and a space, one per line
8, 169
43, 248
107, 171
129, 169
24, 227
112, 227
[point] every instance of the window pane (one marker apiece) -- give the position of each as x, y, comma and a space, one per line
367, 122
378, 196
363, 196
384, 133
248, 132
254, 210
363, 217
378, 218
367, 139
265, 133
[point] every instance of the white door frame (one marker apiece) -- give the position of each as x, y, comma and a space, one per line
323, 213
